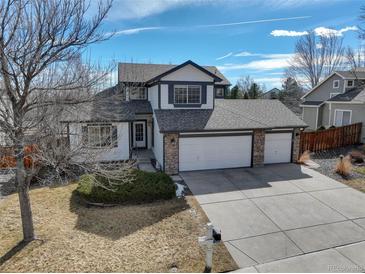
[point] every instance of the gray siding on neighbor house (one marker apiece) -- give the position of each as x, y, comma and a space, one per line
323, 92
358, 114
310, 116
325, 115
320, 116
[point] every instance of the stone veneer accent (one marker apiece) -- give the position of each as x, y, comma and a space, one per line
258, 147
171, 153
296, 144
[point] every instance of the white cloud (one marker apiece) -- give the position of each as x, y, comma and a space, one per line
259, 65
224, 56
278, 55
134, 31
246, 54
255, 21
323, 31
320, 31
271, 81
264, 55
289, 33
270, 61
136, 9
137, 30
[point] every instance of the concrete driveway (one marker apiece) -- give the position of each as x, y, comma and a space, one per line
282, 218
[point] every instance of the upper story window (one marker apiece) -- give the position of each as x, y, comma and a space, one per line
100, 136
187, 94
219, 92
137, 93
336, 83
350, 83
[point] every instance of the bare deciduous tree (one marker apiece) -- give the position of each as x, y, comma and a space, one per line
40, 45
315, 58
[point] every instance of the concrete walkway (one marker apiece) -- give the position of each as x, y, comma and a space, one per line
284, 218
143, 157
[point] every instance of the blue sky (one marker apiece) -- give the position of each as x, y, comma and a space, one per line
241, 37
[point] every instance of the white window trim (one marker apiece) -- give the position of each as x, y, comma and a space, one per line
342, 110
334, 94
187, 91
336, 81
100, 126
347, 83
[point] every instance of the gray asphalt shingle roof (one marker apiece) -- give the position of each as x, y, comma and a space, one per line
359, 73
108, 106
132, 72
312, 103
355, 94
229, 115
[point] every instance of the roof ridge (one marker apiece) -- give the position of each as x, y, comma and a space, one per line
160, 64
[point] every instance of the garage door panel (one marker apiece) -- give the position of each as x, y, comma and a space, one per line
200, 153
277, 148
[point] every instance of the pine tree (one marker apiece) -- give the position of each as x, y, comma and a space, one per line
235, 92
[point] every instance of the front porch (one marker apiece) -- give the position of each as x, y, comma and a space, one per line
144, 158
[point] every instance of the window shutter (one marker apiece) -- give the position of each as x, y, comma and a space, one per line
204, 94
171, 93
114, 136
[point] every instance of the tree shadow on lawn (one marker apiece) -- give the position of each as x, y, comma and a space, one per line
122, 220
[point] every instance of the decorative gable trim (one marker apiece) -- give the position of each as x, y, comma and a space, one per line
189, 62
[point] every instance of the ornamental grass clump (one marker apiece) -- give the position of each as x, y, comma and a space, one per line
304, 158
344, 166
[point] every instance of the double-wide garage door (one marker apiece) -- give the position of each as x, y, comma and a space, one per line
199, 153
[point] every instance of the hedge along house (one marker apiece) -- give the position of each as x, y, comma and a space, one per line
338, 100
179, 112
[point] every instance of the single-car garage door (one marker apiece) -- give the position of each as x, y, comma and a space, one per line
278, 148
199, 153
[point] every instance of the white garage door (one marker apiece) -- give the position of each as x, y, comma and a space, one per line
277, 148
198, 153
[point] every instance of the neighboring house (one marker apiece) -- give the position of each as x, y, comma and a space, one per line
336, 101
178, 112
271, 94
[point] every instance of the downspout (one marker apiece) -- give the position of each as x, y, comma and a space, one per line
317, 118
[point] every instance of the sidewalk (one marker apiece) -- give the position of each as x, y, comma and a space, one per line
329, 260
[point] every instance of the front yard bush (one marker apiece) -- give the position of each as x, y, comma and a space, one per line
145, 187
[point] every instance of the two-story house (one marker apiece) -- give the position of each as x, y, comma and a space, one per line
336, 101
179, 112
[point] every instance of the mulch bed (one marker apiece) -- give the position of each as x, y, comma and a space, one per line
327, 161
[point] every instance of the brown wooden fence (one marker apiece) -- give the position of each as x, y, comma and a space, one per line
330, 138
7, 157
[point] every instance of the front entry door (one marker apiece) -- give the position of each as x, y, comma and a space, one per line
139, 134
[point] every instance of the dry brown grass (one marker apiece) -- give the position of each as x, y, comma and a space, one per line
304, 158
139, 238
344, 166
358, 184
